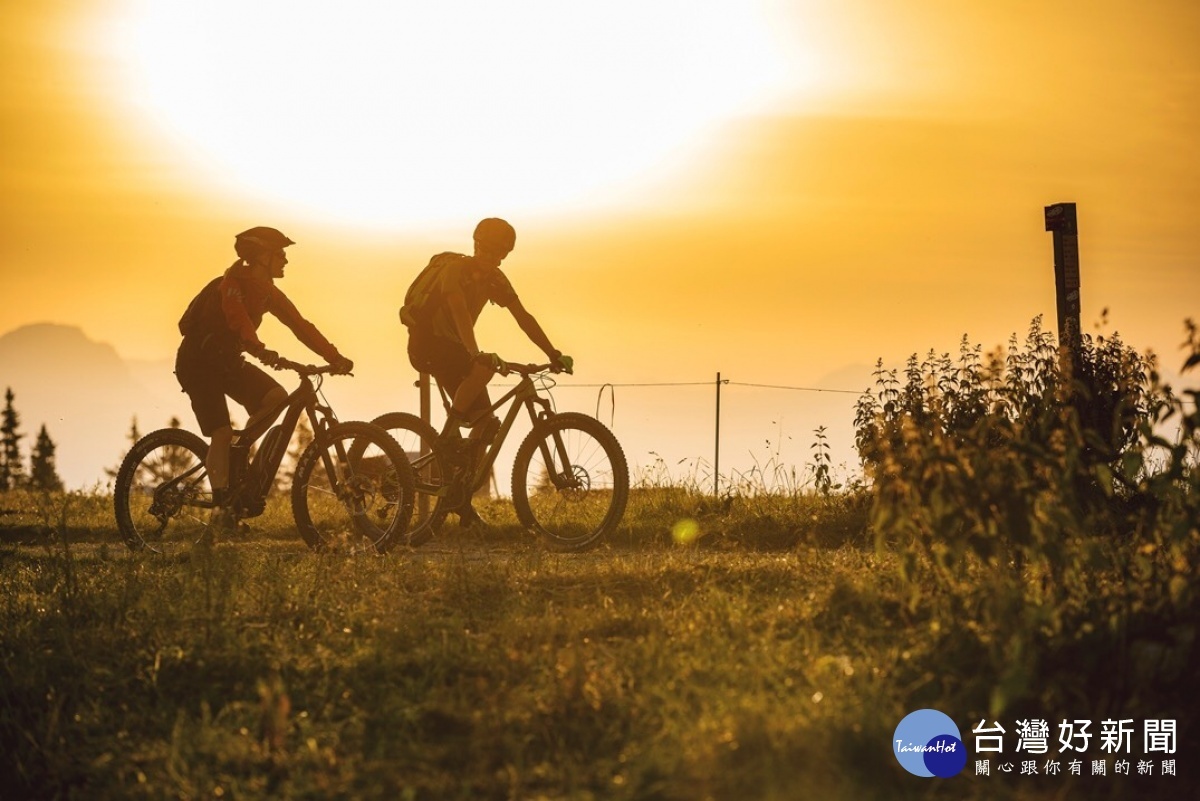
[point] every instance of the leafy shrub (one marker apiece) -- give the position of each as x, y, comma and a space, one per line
1037, 510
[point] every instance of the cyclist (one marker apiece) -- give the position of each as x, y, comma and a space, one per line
220, 323
440, 309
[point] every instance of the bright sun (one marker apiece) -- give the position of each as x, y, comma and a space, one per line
417, 111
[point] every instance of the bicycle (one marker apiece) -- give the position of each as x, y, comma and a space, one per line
570, 481
351, 484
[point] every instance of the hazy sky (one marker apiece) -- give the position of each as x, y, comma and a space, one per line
774, 190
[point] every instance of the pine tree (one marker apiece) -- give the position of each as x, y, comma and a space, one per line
43, 474
12, 471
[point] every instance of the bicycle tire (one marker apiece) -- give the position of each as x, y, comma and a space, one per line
414, 435
572, 503
368, 498
162, 496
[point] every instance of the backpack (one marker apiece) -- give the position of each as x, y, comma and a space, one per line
204, 315
421, 299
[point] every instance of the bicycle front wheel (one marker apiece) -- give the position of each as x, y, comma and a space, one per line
570, 482
162, 496
353, 490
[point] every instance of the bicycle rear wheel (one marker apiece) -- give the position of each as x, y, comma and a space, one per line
417, 438
353, 489
162, 495
570, 482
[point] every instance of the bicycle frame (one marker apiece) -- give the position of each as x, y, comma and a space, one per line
523, 395
257, 476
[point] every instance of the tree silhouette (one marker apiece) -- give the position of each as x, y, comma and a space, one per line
12, 471
43, 474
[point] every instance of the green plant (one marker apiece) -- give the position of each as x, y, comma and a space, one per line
1038, 514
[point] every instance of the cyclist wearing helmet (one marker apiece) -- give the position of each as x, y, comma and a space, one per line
440, 310
220, 323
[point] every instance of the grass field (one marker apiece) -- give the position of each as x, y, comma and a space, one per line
771, 658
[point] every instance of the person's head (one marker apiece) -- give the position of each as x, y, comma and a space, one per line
263, 247
494, 239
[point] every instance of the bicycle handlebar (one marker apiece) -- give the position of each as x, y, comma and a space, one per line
328, 369
529, 369
303, 369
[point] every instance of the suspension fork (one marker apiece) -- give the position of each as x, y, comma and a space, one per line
566, 478
321, 427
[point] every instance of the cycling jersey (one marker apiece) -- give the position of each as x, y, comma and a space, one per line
424, 303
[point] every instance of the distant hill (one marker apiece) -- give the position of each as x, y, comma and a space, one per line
85, 394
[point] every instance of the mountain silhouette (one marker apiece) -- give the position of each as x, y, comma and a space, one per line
86, 395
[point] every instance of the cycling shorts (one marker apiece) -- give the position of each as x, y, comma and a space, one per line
208, 375
447, 360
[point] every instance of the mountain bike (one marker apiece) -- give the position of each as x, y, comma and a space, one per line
570, 480
352, 484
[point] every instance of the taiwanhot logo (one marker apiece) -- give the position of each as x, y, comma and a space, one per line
928, 743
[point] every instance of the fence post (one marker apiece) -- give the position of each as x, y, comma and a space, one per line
424, 395
1062, 221
717, 446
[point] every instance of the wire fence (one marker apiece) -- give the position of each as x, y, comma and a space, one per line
732, 419
745, 421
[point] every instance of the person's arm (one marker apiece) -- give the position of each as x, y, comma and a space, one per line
532, 328
287, 313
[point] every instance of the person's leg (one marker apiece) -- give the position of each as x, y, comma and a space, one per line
214, 421
471, 406
466, 384
269, 404
217, 463
464, 379
205, 381
471, 387
205, 390
258, 393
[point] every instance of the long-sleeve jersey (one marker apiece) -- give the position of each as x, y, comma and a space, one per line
235, 303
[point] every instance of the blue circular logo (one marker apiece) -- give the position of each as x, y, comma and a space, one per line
928, 743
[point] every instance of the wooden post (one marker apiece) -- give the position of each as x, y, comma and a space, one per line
424, 395
717, 447
1062, 221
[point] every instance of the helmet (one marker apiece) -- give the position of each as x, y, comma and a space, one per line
495, 234
249, 244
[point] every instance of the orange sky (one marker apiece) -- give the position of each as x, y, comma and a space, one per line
868, 182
